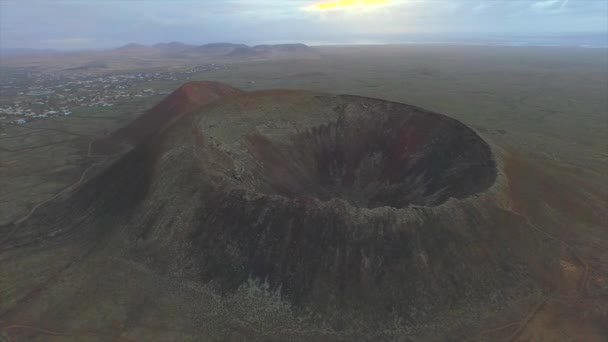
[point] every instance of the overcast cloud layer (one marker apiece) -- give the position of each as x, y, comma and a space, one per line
86, 24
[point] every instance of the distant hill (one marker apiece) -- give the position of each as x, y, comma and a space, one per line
218, 48
173, 46
244, 52
279, 51
134, 56
131, 46
212, 48
182, 50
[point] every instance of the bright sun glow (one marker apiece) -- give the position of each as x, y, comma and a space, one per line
344, 4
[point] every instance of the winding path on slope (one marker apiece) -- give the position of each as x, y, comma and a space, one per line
581, 289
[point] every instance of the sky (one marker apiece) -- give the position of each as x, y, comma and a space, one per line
96, 24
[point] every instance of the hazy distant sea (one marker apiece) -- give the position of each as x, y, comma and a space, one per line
598, 40
580, 40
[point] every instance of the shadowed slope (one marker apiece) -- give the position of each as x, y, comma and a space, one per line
376, 154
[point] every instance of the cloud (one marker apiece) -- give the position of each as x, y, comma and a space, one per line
346, 4
481, 7
550, 5
545, 4
105, 23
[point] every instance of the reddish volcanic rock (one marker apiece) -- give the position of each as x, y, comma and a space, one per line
189, 96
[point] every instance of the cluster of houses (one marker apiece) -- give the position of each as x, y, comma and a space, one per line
46, 95
28, 113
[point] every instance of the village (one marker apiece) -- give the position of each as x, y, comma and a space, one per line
26, 96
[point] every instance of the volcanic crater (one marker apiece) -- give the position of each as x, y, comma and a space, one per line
350, 206
370, 153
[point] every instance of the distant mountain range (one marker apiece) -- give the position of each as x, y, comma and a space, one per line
226, 50
580, 40
138, 56
178, 49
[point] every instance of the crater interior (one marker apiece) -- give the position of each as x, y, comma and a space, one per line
370, 153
